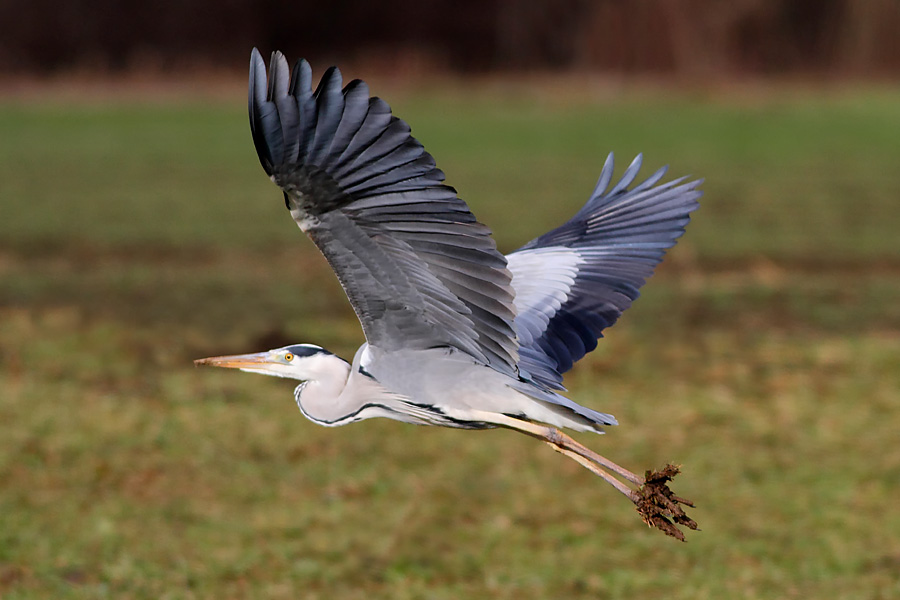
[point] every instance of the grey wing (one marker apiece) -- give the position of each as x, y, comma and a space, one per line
419, 270
576, 280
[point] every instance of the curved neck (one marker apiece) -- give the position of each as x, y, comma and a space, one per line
320, 397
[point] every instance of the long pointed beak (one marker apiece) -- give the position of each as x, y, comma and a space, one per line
237, 361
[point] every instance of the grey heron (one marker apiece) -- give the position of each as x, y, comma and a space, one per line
457, 334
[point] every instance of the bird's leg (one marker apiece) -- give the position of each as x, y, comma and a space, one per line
596, 470
654, 501
561, 441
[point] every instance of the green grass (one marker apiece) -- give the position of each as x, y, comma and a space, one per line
764, 357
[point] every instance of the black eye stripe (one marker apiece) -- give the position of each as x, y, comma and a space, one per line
305, 350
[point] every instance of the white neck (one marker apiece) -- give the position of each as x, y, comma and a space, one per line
320, 396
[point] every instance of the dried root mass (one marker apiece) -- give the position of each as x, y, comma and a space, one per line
659, 507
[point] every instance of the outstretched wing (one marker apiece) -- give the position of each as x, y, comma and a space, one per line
419, 270
575, 281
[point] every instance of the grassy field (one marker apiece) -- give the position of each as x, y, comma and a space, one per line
764, 356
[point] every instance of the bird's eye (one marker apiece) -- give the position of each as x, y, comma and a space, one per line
289, 357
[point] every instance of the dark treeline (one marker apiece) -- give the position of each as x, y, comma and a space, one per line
664, 37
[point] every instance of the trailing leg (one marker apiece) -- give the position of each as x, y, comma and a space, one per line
655, 502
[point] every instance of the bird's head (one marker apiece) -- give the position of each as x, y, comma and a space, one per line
298, 361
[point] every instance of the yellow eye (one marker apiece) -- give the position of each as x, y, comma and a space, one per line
289, 357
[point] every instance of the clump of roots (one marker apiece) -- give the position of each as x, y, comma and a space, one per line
659, 507
655, 502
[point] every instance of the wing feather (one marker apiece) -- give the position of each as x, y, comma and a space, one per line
418, 268
356, 108
576, 280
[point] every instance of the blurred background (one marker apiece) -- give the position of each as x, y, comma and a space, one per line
138, 232
676, 38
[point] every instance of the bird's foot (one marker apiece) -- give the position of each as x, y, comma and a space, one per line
659, 507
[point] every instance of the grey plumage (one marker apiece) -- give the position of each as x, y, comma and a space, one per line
457, 334
419, 270
617, 238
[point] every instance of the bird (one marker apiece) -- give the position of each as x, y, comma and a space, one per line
457, 334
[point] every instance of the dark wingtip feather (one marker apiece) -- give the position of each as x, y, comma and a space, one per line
629, 175
605, 175
262, 113
279, 76
330, 103
301, 78
330, 79
257, 93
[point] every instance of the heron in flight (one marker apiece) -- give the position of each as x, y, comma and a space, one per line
457, 334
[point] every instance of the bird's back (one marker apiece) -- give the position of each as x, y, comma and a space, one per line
447, 387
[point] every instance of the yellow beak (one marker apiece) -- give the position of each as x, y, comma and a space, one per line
237, 361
